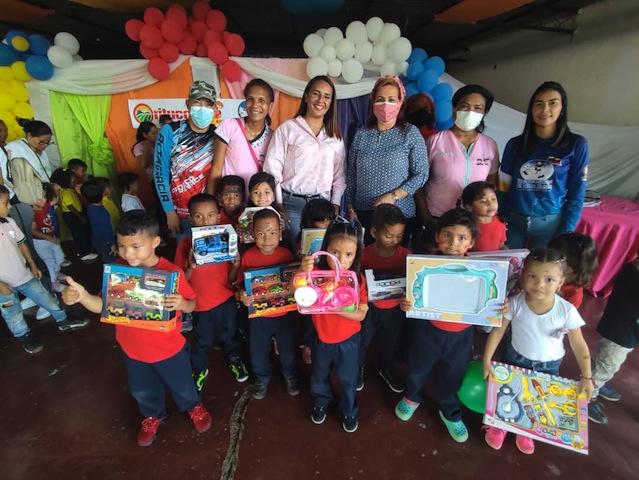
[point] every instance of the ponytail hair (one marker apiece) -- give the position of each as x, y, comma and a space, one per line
35, 128
343, 229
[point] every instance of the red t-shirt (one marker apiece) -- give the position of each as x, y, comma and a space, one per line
394, 265
226, 219
253, 258
333, 327
491, 236
44, 220
573, 294
210, 282
150, 346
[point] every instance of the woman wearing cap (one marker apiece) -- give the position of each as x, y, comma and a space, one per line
306, 155
387, 161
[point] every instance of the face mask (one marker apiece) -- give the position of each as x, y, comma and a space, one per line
385, 112
467, 120
201, 116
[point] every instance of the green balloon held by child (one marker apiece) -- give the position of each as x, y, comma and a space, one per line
472, 392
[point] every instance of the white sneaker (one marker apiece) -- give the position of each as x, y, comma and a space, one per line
65, 263
89, 256
27, 303
41, 314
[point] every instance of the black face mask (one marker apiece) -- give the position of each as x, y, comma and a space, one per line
421, 118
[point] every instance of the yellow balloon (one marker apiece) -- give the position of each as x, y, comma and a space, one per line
5, 74
7, 102
19, 91
19, 71
23, 110
21, 44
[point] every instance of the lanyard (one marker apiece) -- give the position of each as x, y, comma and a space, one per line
240, 122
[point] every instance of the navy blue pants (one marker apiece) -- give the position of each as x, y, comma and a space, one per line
344, 357
307, 330
388, 323
261, 331
222, 319
450, 353
80, 233
104, 250
148, 383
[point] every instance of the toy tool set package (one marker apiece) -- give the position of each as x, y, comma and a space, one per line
326, 291
271, 290
312, 239
214, 244
245, 223
384, 287
134, 297
543, 407
515, 262
456, 289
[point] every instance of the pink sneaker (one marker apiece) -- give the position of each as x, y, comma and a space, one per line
494, 437
525, 444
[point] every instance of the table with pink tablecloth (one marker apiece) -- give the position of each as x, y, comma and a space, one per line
614, 226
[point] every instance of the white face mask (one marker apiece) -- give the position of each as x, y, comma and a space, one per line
468, 120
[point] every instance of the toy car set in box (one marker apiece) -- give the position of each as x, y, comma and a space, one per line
214, 244
134, 297
271, 290
384, 286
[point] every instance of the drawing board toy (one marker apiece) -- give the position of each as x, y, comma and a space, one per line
245, 223
326, 291
312, 239
214, 244
134, 297
384, 287
537, 405
515, 259
271, 289
456, 289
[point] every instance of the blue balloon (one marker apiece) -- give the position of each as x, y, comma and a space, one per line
427, 80
39, 67
436, 64
414, 70
7, 55
444, 125
38, 44
411, 89
13, 33
417, 55
442, 91
443, 110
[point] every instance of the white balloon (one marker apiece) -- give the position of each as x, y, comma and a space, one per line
374, 28
77, 58
335, 68
352, 71
356, 32
312, 45
316, 66
389, 68
399, 49
59, 57
68, 42
363, 52
332, 36
321, 32
390, 32
328, 53
345, 49
402, 67
378, 57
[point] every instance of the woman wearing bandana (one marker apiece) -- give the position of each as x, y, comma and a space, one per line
387, 161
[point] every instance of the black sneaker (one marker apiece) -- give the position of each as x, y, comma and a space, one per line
393, 383
238, 370
609, 394
596, 413
292, 386
350, 424
319, 415
30, 344
259, 390
199, 378
360, 379
73, 324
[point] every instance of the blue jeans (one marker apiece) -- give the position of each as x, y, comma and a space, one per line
293, 207
513, 357
12, 311
531, 232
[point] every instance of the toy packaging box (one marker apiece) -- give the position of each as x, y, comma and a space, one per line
456, 289
537, 405
134, 297
271, 290
384, 287
312, 239
515, 259
214, 244
245, 221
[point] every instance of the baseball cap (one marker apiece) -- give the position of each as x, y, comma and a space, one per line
201, 89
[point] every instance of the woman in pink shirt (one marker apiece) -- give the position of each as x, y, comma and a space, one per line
307, 155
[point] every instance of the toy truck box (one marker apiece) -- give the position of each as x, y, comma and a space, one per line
214, 244
271, 289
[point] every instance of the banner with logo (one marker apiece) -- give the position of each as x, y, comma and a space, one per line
150, 109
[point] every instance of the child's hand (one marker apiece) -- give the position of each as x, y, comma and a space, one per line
35, 271
174, 302
488, 369
307, 263
74, 292
363, 307
405, 305
504, 309
114, 250
236, 261
5, 289
246, 299
586, 386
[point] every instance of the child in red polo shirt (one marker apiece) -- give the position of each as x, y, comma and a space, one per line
267, 252
448, 345
154, 360
215, 306
230, 195
480, 199
338, 338
387, 258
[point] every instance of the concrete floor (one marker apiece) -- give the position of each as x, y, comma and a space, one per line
66, 413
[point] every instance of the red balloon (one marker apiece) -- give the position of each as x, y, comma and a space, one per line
169, 52
200, 10
199, 28
148, 53
159, 69
231, 71
177, 13
234, 44
211, 37
201, 50
153, 16
188, 44
151, 37
216, 20
132, 28
217, 53
172, 31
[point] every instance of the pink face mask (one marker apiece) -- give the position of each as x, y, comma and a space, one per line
385, 111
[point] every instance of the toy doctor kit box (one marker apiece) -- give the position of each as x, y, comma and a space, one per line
214, 244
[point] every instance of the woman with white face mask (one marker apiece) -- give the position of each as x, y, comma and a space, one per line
387, 161
458, 156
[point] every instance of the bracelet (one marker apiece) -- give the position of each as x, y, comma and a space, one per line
397, 199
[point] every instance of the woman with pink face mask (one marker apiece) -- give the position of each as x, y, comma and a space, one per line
387, 161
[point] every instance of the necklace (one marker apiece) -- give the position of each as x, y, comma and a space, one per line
252, 133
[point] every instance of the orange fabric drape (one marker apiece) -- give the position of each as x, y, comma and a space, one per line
122, 135
473, 11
